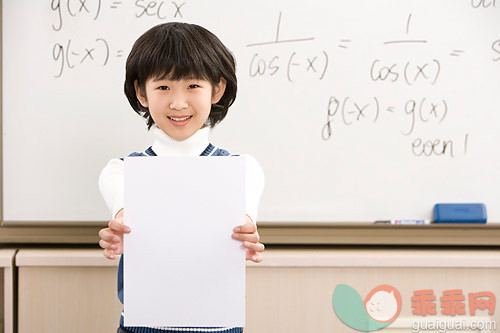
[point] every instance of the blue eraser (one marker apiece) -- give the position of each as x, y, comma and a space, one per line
459, 213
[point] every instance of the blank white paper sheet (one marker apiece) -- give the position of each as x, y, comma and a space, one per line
181, 266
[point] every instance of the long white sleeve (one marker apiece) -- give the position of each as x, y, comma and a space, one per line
111, 185
254, 185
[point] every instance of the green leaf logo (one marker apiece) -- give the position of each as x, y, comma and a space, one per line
380, 307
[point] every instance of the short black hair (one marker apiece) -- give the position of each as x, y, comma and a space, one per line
180, 50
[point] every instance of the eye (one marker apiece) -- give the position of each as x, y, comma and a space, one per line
163, 88
194, 85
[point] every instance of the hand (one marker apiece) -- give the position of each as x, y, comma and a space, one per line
249, 235
112, 237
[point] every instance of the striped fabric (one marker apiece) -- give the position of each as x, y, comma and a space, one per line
210, 150
183, 329
179, 329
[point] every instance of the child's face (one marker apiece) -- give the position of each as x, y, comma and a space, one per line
180, 108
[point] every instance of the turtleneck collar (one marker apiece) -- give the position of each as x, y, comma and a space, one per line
165, 145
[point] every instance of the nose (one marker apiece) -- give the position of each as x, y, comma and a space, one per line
178, 102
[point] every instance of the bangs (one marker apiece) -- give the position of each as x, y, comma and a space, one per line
176, 56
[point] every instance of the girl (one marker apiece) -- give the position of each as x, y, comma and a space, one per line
182, 80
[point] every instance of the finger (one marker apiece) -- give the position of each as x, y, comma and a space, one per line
109, 235
109, 254
106, 234
107, 245
248, 228
253, 256
254, 247
118, 226
253, 238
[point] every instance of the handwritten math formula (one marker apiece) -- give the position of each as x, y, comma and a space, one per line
348, 111
289, 64
69, 54
65, 10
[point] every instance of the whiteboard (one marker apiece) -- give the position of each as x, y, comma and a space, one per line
356, 110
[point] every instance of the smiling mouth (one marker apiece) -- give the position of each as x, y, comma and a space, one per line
179, 118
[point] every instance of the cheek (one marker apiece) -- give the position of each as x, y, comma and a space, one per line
203, 105
156, 110
157, 104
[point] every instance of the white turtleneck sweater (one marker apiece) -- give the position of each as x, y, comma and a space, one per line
111, 181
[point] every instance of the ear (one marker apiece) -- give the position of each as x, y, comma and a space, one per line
219, 90
141, 96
